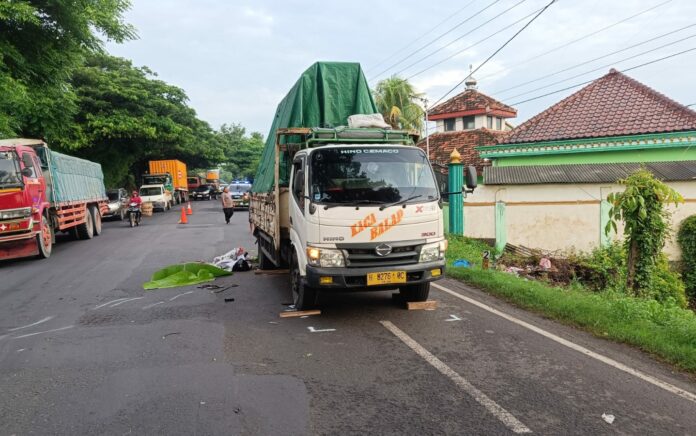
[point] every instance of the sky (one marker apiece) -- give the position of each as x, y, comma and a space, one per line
237, 59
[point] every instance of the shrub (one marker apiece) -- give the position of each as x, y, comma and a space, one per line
666, 285
686, 237
603, 268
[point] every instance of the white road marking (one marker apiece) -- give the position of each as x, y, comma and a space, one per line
126, 301
177, 296
152, 305
41, 321
20, 350
453, 318
47, 331
611, 362
313, 330
3, 336
112, 301
496, 410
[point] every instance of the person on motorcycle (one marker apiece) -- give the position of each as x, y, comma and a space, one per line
135, 198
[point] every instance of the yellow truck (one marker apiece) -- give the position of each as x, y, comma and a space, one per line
172, 174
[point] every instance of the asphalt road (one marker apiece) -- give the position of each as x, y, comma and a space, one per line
84, 350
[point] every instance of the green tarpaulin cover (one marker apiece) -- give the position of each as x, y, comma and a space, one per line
184, 275
324, 96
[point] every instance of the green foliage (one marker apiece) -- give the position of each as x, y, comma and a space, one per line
242, 152
127, 117
686, 237
395, 99
661, 328
603, 268
41, 43
641, 206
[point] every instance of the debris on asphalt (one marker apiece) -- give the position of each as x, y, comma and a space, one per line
234, 260
226, 288
229, 300
299, 313
209, 286
272, 322
169, 334
271, 271
419, 305
608, 418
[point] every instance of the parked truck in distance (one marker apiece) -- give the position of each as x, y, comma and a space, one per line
172, 174
194, 182
43, 192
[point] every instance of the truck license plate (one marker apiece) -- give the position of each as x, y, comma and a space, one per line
386, 278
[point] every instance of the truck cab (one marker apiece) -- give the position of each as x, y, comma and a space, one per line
158, 195
164, 179
361, 211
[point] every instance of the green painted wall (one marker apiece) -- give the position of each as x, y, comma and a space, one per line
649, 155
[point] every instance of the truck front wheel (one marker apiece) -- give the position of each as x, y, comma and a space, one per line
414, 293
45, 239
304, 297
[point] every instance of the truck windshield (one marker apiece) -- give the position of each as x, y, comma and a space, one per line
155, 180
9, 170
145, 192
371, 175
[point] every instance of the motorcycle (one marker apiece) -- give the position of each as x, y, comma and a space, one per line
134, 214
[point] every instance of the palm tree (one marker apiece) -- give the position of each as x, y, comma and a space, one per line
395, 98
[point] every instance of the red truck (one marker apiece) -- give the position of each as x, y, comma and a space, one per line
43, 192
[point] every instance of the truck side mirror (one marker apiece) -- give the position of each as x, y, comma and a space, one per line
27, 172
471, 178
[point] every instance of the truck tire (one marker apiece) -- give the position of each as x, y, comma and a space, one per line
45, 239
86, 229
96, 219
303, 296
414, 293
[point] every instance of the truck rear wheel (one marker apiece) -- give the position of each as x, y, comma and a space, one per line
418, 292
264, 262
96, 218
45, 239
304, 297
86, 229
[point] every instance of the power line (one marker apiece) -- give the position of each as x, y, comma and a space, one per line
461, 23
459, 38
473, 45
497, 51
586, 36
602, 67
393, 55
592, 60
592, 80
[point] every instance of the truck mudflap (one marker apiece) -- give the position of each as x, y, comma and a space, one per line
357, 278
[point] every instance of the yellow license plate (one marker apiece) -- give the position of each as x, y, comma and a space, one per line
386, 278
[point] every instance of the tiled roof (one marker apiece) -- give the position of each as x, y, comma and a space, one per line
585, 173
612, 105
465, 141
470, 100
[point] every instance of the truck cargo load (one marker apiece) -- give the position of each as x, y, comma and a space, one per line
325, 95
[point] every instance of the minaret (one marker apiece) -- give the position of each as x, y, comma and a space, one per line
470, 81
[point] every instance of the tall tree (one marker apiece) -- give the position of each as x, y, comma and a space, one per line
242, 152
397, 101
41, 44
126, 117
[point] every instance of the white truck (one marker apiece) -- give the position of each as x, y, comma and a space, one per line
361, 211
158, 195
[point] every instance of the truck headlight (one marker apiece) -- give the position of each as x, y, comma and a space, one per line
433, 252
325, 257
15, 213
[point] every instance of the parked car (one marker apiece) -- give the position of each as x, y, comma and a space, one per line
160, 197
203, 192
240, 193
118, 203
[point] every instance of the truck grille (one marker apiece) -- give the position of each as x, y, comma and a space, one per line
364, 255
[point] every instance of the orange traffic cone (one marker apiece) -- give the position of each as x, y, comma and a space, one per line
189, 211
183, 219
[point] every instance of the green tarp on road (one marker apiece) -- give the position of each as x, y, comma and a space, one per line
184, 275
324, 96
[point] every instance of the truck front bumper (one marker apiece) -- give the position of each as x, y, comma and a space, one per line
355, 279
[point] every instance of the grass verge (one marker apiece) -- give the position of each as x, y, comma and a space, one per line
667, 331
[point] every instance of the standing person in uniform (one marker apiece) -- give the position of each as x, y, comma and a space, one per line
227, 204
